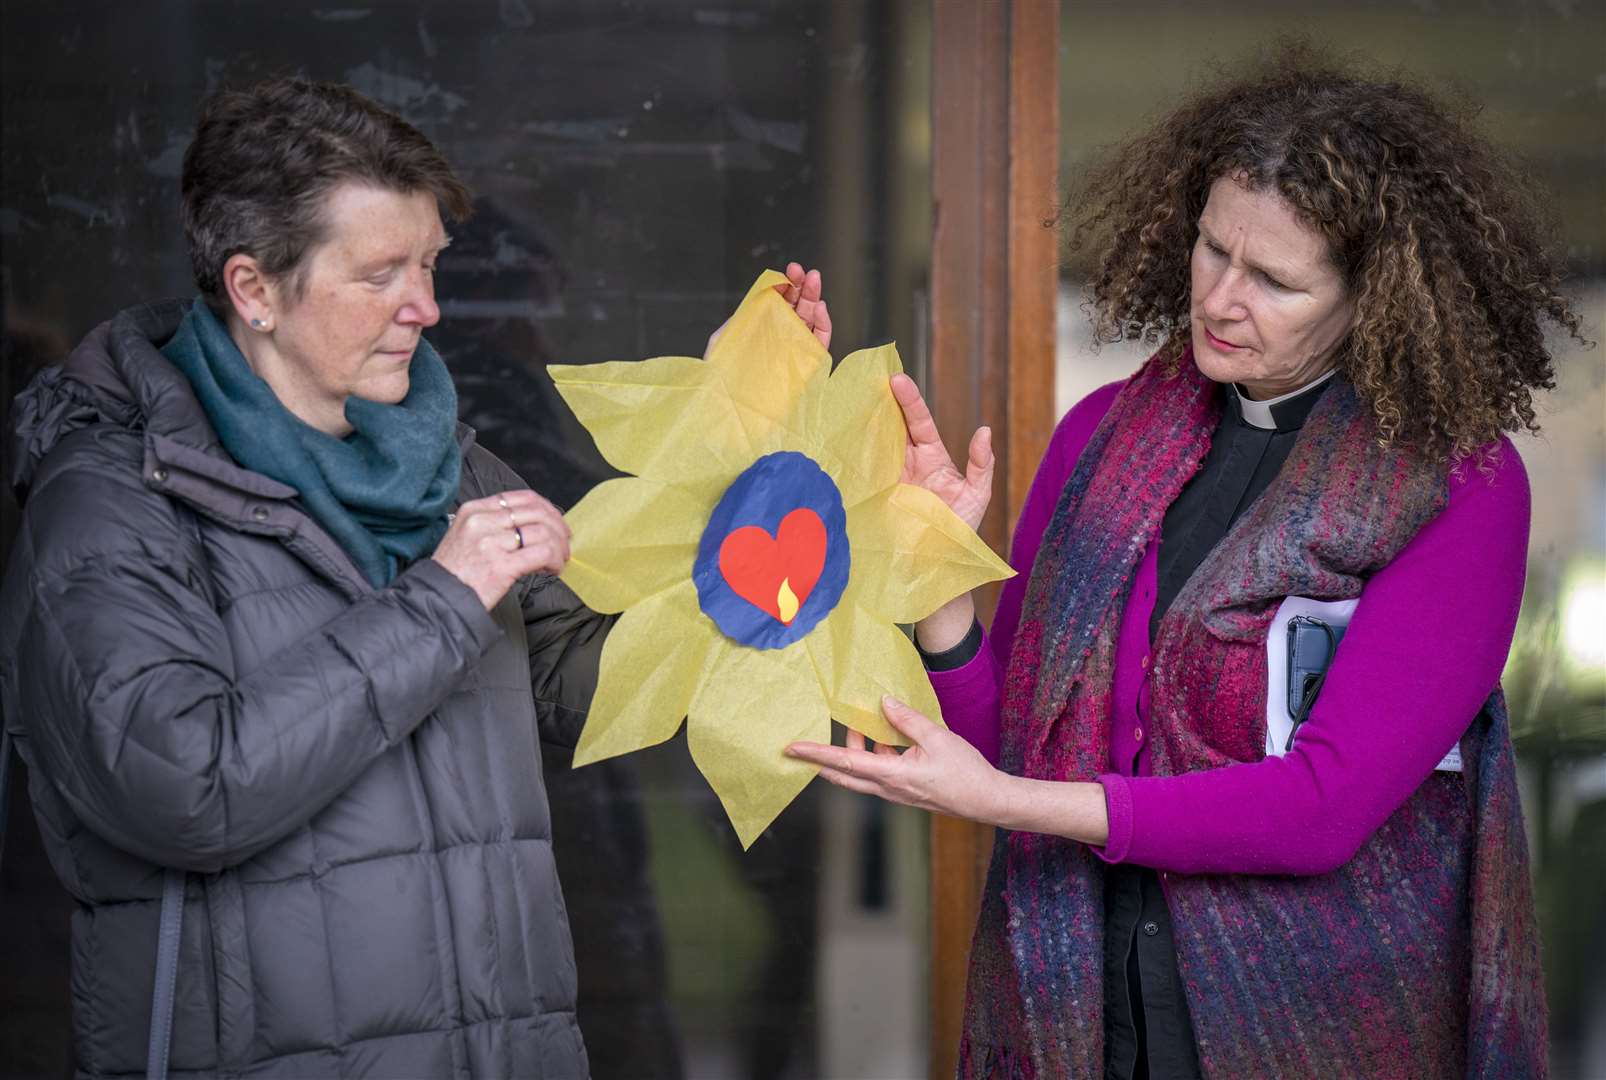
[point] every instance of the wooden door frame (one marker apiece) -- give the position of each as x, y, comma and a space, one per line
994, 278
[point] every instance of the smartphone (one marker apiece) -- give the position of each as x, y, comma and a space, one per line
1311, 645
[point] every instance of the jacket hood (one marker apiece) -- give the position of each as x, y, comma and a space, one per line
115, 376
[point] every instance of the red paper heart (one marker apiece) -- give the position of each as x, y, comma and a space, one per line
756, 565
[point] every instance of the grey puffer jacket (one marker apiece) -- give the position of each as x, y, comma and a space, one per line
200, 678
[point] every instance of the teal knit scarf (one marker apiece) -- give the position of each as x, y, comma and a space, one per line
382, 491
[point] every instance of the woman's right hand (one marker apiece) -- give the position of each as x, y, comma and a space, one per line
494, 541
927, 464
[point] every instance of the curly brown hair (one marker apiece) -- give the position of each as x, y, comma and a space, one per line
1441, 241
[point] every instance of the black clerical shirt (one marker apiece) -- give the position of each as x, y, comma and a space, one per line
1147, 1029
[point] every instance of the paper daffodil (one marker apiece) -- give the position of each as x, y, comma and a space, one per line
762, 553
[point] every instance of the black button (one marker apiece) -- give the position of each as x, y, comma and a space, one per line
1151, 928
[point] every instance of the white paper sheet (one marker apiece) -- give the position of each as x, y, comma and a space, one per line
1334, 613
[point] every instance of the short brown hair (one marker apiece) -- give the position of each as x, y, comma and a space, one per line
264, 158
1440, 239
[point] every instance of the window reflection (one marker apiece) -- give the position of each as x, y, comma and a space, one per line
636, 164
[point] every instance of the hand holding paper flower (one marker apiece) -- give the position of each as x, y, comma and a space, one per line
761, 553
926, 462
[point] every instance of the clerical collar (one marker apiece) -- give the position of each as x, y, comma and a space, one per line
1285, 412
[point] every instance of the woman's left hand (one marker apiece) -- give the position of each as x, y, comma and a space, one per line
802, 291
940, 771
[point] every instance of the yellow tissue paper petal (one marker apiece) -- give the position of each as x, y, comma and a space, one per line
911, 554
765, 327
632, 538
753, 703
767, 363
855, 427
653, 664
701, 422
665, 418
858, 657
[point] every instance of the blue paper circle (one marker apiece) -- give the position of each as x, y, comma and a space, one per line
770, 488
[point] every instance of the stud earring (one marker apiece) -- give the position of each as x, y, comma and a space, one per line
258, 324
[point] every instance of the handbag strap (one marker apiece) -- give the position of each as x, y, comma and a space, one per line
7, 751
167, 940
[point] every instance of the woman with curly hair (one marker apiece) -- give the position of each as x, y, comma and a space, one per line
1347, 288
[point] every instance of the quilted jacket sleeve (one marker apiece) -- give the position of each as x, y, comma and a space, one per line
564, 636
125, 684
565, 639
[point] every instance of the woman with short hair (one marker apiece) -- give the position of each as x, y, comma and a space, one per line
277, 637
1347, 288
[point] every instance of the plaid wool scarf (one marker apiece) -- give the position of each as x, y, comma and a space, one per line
1419, 957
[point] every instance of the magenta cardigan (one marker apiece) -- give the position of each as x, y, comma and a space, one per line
1423, 650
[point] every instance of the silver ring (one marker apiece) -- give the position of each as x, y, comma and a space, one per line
520, 535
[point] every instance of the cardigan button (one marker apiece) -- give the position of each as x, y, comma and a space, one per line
1137, 734
1144, 663
160, 476
260, 513
1151, 928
